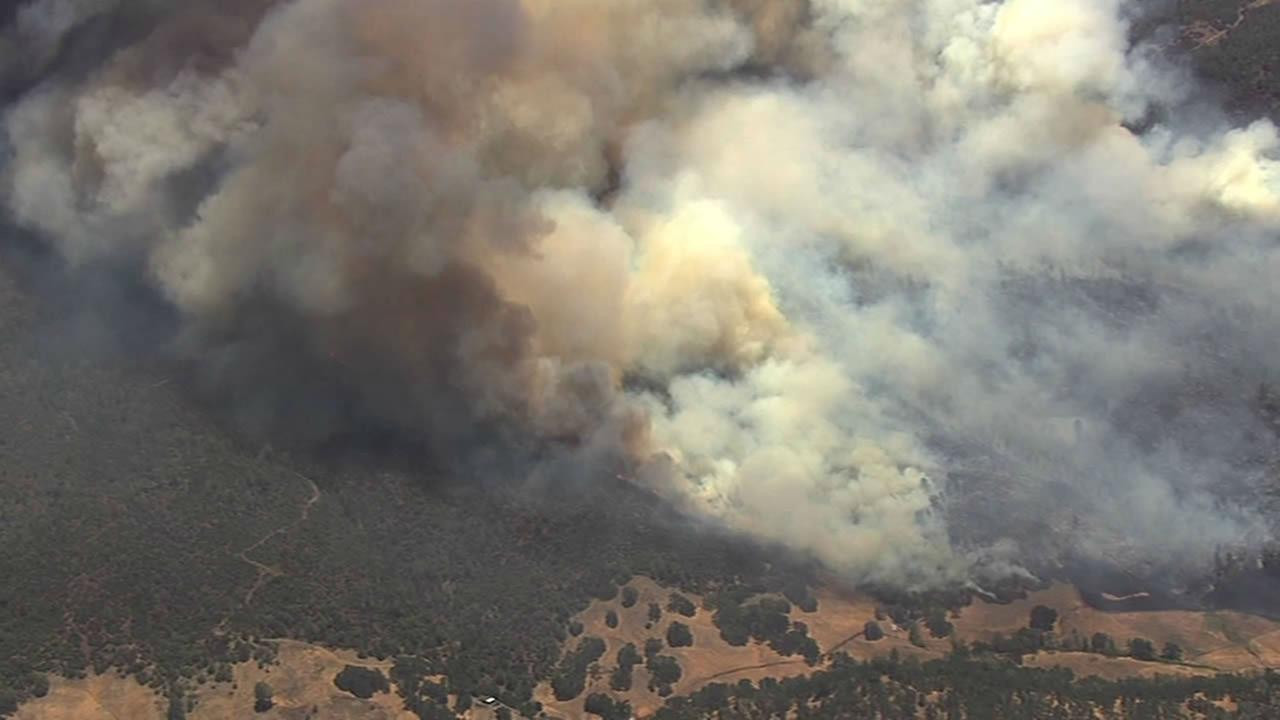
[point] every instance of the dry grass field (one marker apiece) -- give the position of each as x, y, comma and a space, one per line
303, 676
302, 681
1213, 642
710, 658
1225, 641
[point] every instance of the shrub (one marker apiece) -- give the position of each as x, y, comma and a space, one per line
262, 697
938, 624
361, 681
679, 635
681, 605
1142, 649
606, 707
1043, 618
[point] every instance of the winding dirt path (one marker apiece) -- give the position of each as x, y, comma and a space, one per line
732, 671
1202, 34
266, 572
830, 654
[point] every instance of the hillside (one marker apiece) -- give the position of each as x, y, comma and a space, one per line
168, 551
302, 676
142, 536
1232, 43
176, 565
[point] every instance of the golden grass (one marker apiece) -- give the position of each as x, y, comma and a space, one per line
98, 697
302, 680
1227, 641
303, 676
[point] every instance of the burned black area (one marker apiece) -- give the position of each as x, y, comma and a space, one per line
1244, 583
1111, 588
1254, 591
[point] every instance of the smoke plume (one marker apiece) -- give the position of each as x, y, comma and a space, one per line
896, 283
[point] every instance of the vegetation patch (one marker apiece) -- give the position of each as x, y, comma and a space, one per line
361, 681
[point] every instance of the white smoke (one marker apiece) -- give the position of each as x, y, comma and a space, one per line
926, 242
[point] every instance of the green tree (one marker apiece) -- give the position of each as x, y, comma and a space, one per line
263, 697
628, 658
1142, 649
1172, 652
178, 709
611, 619
652, 647
1043, 618
938, 624
872, 631
627, 655
1102, 643
798, 593
570, 678
1074, 641
655, 612
681, 605
606, 707
361, 681
679, 635
39, 685
663, 671
629, 596
915, 635
620, 678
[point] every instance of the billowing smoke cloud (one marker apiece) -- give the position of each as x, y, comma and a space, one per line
892, 282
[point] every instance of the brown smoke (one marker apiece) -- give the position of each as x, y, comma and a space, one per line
773, 255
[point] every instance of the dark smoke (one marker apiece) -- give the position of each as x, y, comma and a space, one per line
932, 290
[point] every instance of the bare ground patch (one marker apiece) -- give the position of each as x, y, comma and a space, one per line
302, 680
97, 697
842, 617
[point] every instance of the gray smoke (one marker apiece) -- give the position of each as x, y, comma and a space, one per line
892, 282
